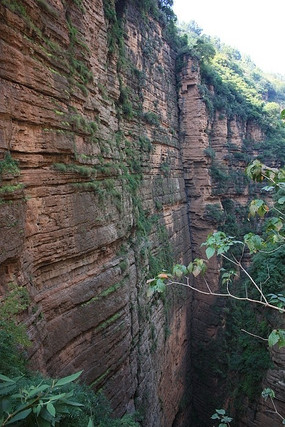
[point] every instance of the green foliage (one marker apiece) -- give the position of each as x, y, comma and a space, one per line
210, 152
247, 357
269, 393
125, 103
165, 168
5, 189
15, 6
218, 242
277, 336
47, 7
145, 144
259, 172
214, 213
221, 416
13, 303
239, 87
220, 177
12, 360
84, 171
151, 118
35, 400
115, 33
9, 166
158, 284
13, 335
254, 242
277, 299
41, 404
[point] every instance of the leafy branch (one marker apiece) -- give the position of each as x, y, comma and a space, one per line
45, 403
269, 393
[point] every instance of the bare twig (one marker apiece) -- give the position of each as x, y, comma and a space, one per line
225, 295
238, 264
254, 335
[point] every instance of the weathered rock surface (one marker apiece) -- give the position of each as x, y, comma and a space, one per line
83, 241
209, 142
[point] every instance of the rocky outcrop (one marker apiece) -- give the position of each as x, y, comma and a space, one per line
101, 203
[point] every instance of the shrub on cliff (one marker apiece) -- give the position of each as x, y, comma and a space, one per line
35, 400
28, 398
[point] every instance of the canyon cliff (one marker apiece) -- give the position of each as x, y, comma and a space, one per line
112, 185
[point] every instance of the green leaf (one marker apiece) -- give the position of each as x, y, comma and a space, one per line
259, 207
281, 342
7, 379
177, 271
20, 416
254, 171
220, 411
268, 392
281, 201
38, 390
160, 286
190, 267
210, 252
71, 403
37, 409
196, 270
150, 291
274, 224
57, 397
215, 417
51, 409
254, 242
69, 379
7, 389
6, 405
90, 423
273, 338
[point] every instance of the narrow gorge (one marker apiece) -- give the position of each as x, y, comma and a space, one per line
107, 178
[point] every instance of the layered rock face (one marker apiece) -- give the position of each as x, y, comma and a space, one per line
208, 143
108, 176
99, 204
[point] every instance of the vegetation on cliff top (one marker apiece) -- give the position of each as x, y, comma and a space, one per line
240, 88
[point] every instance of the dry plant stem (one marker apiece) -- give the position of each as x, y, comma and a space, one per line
217, 294
273, 250
277, 210
254, 335
275, 409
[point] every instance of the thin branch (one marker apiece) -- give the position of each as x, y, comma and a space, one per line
253, 335
275, 409
217, 294
242, 253
238, 264
277, 210
208, 286
273, 250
